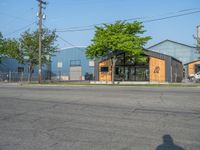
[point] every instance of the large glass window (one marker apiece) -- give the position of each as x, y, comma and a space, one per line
128, 70
132, 73
142, 74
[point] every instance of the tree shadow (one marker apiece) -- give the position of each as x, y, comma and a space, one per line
168, 144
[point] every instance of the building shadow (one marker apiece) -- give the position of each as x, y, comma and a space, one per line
168, 144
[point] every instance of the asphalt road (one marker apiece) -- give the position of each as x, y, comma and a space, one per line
99, 118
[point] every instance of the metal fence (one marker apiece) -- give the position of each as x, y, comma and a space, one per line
46, 76
18, 77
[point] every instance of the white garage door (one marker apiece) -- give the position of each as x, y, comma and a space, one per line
75, 72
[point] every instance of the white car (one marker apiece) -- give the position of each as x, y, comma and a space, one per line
197, 75
194, 77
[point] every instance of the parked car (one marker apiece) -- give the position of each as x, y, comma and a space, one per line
195, 77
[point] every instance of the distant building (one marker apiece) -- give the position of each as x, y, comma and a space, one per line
192, 67
11, 70
66, 64
182, 52
71, 64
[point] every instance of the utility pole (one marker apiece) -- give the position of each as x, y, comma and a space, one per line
40, 15
198, 36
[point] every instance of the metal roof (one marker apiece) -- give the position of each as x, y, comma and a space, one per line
192, 62
171, 42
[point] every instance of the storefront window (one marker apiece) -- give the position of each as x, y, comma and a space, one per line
131, 73
127, 70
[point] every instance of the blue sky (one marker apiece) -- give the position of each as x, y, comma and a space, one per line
18, 15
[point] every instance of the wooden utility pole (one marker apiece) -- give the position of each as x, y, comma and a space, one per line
40, 15
198, 36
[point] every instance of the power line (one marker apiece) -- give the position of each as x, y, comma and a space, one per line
86, 28
78, 27
69, 43
77, 30
16, 17
22, 28
152, 20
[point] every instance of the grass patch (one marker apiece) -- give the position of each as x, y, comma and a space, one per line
86, 83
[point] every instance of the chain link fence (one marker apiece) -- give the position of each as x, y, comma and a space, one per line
19, 77
46, 76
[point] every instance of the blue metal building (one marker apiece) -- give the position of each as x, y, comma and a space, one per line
71, 64
11, 70
182, 52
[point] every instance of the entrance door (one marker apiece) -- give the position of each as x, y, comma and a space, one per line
75, 73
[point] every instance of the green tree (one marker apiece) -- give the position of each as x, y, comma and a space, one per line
10, 48
120, 36
30, 45
1, 44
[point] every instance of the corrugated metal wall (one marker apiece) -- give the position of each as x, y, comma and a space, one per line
68, 55
179, 51
9, 65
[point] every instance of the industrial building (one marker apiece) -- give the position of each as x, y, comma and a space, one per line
184, 53
192, 67
71, 64
11, 70
157, 68
187, 54
66, 64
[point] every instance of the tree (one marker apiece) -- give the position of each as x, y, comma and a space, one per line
1, 44
29, 44
118, 37
10, 48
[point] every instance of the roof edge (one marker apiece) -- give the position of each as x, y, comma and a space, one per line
147, 50
163, 55
170, 41
192, 62
64, 48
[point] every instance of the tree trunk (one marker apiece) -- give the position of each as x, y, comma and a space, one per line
30, 72
114, 59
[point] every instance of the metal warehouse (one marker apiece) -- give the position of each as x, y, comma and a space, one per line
158, 68
192, 67
184, 53
11, 70
71, 64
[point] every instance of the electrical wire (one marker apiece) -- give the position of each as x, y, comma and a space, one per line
22, 28
14, 17
86, 28
69, 43
152, 20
